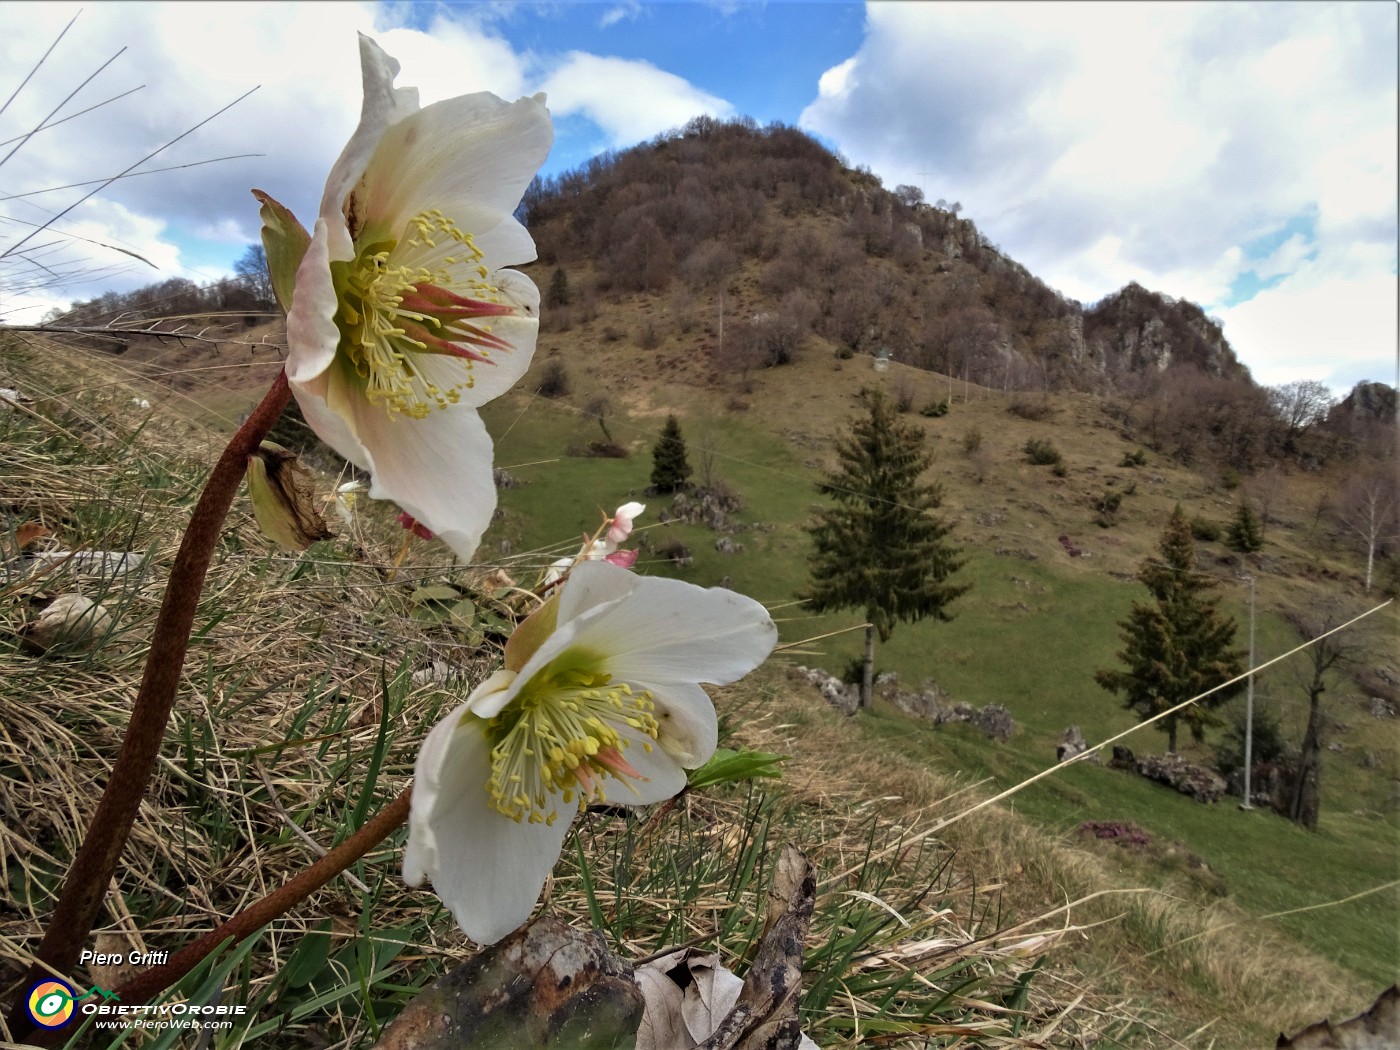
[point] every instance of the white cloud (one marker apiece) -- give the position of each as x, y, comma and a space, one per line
629, 99
628, 11
1101, 143
303, 59
1331, 319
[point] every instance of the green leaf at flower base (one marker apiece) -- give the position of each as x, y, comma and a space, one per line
436, 594
309, 957
285, 241
727, 766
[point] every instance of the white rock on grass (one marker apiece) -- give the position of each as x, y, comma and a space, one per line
69, 618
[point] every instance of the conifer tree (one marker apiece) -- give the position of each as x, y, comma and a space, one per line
1246, 531
559, 293
670, 470
881, 549
1178, 646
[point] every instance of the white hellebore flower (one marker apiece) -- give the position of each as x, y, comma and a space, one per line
600, 699
401, 322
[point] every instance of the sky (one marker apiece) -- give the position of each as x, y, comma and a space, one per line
1239, 155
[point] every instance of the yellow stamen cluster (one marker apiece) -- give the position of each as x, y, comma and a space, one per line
381, 336
556, 741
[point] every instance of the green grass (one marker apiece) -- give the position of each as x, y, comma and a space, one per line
295, 673
1029, 635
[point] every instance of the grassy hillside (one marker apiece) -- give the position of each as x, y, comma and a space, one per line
1178, 936
1053, 615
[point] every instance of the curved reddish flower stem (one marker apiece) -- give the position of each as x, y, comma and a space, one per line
96, 862
280, 901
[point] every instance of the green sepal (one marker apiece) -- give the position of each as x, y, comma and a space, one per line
285, 241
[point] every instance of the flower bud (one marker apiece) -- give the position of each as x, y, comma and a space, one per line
283, 496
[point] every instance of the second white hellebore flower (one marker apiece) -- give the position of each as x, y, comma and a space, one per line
600, 698
401, 321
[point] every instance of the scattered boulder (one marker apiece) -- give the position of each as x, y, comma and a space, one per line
835, 692
677, 553
1376, 1029
1200, 783
727, 546
930, 703
1072, 743
504, 479
712, 507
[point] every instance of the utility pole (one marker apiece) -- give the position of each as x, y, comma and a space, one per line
1249, 706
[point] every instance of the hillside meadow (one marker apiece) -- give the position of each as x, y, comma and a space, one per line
941, 921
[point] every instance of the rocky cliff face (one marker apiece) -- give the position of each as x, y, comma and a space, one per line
1367, 403
1139, 330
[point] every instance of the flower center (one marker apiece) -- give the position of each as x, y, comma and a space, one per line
400, 307
559, 738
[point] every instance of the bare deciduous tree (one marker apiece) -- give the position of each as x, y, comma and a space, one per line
1367, 509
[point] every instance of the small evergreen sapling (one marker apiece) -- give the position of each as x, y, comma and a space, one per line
1180, 645
1246, 532
670, 469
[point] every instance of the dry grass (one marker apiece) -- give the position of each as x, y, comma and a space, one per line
301, 662
1214, 968
299, 716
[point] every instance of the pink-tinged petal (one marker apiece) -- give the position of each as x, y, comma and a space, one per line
623, 559
488, 869
622, 520
438, 468
382, 107
470, 158
312, 335
668, 630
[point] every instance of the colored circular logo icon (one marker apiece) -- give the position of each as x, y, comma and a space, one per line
51, 1003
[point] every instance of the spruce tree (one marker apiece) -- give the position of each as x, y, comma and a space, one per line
670, 470
558, 293
1246, 532
880, 548
1178, 646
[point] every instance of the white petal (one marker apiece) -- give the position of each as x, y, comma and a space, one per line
431, 776
487, 699
503, 368
312, 335
669, 630
487, 868
471, 158
663, 777
314, 398
591, 586
689, 729
383, 106
437, 469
